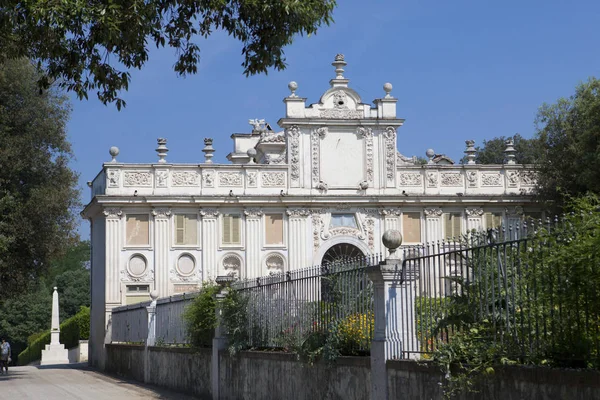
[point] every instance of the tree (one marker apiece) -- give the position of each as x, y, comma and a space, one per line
91, 45
492, 151
37, 188
569, 133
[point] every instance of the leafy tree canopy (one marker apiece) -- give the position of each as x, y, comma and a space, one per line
569, 133
37, 188
492, 151
91, 45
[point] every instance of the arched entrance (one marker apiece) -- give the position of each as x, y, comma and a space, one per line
341, 252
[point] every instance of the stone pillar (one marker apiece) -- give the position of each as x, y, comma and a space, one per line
151, 339
394, 289
162, 220
391, 218
474, 219
113, 256
434, 228
220, 339
297, 219
55, 353
253, 243
210, 242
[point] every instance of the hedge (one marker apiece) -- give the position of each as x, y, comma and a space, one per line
72, 331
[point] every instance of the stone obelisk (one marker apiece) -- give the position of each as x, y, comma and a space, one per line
55, 353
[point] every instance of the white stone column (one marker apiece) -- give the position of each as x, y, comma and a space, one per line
474, 219
297, 243
394, 296
253, 242
434, 228
55, 353
162, 220
114, 243
391, 219
210, 243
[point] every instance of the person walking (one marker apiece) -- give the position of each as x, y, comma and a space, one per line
4, 356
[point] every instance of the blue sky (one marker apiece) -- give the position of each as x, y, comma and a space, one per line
460, 70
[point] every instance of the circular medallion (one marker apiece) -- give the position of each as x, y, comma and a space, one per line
137, 265
186, 265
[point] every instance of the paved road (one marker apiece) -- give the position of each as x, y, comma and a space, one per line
72, 382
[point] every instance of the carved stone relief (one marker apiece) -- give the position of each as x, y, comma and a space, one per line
528, 178
232, 264
512, 178
472, 178
367, 135
137, 178
474, 212
316, 137
161, 212
338, 113
230, 179
185, 269
137, 270
411, 179
161, 178
491, 179
113, 177
273, 179
294, 156
453, 179
208, 178
390, 152
432, 179
280, 159
432, 212
317, 223
184, 178
275, 263
390, 211
370, 229
251, 179
209, 213
253, 212
298, 212
112, 212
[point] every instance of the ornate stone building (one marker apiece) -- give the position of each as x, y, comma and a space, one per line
327, 185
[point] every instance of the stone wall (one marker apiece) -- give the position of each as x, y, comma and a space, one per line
271, 375
410, 380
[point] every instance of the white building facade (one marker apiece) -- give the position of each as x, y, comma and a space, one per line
327, 186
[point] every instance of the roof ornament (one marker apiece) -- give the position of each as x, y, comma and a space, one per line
162, 150
293, 86
208, 150
470, 152
339, 65
114, 152
510, 151
259, 125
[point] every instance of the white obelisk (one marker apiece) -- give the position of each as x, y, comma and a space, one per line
55, 352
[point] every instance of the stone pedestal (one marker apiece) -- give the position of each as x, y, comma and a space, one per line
55, 352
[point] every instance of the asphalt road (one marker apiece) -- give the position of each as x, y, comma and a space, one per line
74, 381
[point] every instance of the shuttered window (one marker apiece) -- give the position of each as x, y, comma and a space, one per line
273, 229
493, 220
411, 227
138, 233
231, 229
452, 225
186, 229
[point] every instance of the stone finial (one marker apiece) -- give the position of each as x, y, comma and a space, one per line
470, 151
208, 150
339, 65
114, 152
154, 294
293, 86
387, 87
251, 154
510, 151
392, 239
430, 154
162, 150
258, 125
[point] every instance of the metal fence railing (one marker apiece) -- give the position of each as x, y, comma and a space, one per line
285, 309
505, 280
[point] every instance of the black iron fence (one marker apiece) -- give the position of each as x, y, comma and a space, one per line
285, 310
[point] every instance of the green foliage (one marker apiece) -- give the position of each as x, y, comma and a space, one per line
36, 213
91, 45
569, 132
71, 331
492, 151
200, 316
534, 303
74, 291
235, 321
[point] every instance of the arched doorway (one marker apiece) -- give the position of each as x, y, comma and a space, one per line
341, 252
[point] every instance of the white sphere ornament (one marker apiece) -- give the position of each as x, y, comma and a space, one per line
114, 152
387, 87
430, 153
293, 86
392, 239
154, 294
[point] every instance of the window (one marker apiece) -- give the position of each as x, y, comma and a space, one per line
273, 229
137, 230
343, 220
411, 227
493, 220
137, 294
231, 229
186, 229
452, 225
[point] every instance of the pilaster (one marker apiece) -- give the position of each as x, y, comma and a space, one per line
391, 219
297, 220
433, 224
210, 242
253, 242
162, 218
474, 219
113, 251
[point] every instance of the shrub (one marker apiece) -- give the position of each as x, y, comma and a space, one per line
200, 316
71, 331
